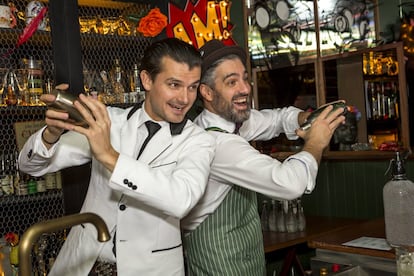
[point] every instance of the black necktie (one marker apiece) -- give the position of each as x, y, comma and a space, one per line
152, 129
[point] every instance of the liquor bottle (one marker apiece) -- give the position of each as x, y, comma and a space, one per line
41, 184
117, 78
374, 100
389, 107
108, 95
393, 101
380, 100
264, 216
1, 175
6, 178
10, 172
398, 195
135, 80
32, 186
58, 176
135, 83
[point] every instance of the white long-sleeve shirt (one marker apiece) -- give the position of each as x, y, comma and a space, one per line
236, 162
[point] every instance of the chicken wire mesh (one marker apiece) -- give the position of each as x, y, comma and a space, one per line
108, 40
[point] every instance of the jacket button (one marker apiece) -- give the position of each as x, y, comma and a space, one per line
134, 187
122, 207
129, 184
126, 181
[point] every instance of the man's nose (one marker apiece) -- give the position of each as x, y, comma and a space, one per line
245, 87
183, 95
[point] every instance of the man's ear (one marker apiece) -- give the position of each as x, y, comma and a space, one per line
146, 80
206, 92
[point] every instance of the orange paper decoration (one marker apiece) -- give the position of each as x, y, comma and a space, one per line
153, 23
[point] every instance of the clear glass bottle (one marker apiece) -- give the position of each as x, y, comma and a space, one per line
6, 178
300, 216
280, 217
2, 175
272, 216
398, 195
264, 216
290, 219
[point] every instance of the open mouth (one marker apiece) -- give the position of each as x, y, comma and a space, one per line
240, 102
177, 108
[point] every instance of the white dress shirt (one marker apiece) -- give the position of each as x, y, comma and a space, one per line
236, 162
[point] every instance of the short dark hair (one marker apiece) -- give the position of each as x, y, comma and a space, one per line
174, 48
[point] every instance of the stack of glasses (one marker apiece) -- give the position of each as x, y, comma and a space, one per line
283, 216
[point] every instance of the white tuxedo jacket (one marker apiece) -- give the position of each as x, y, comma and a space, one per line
143, 199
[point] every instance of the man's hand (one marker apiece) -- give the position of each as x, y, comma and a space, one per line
318, 136
55, 120
302, 116
98, 132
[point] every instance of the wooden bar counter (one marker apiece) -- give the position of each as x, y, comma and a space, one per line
360, 258
334, 240
315, 227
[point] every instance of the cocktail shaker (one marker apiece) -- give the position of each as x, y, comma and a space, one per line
65, 102
315, 113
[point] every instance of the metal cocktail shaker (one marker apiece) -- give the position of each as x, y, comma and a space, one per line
315, 113
64, 102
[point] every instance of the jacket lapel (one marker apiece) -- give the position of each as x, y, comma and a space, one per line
161, 141
157, 145
135, 127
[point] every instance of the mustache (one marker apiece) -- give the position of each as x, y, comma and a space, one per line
240, 95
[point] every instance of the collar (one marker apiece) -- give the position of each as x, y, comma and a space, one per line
207, 120
175, 128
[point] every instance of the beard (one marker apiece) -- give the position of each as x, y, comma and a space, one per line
226, 110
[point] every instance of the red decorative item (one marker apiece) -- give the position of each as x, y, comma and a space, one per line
29, 30
389, 146
11, 238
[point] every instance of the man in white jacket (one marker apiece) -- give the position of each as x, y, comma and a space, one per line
222, 233
140, 196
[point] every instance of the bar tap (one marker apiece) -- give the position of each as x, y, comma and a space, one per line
34, 232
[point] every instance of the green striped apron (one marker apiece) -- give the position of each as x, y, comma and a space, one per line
229, 242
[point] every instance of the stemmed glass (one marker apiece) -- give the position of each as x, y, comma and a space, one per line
10, 88
21, 75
